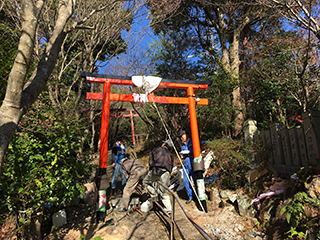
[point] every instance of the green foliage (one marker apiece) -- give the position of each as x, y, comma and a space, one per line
43, 164
231, 163
271, 58
156, 125
296, 215
270, 78
216, 118
173, 57
177, 55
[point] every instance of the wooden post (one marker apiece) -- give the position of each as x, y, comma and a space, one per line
194, 125
132, 128
172, 219
295, 150
286, 148
302, 147
198, 163
105, 126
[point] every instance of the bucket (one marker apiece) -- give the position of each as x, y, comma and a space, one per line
59, 218
146, 206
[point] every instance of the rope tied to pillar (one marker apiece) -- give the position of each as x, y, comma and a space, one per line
179, 158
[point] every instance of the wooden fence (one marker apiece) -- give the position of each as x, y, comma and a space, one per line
294, 148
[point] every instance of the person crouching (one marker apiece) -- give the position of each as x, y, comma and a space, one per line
134, 172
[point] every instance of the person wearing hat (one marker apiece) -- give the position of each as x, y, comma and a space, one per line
118, 153
187, 156
160, 167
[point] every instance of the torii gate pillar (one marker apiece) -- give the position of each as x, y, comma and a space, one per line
105, 124
194, 130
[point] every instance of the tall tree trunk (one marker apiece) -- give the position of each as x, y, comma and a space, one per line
231, 64
236, 93
10, 111
19, 98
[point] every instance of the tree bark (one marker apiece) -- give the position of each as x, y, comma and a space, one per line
235, 68
19, 98
228, 30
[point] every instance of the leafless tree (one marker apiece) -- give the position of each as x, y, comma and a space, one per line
301, 13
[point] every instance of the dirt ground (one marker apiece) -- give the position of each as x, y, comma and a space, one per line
154, 224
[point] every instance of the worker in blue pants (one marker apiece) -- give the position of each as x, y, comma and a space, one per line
118, 153
187, 156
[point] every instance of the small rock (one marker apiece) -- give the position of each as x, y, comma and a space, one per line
226, 193
313, 188
245, 208
215, 198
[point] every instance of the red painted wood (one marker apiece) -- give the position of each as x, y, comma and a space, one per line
107, 97
193, 123
161, 85
110, 80
132, 128
105, 126
157, 99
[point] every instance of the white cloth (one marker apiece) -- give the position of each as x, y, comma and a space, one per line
147, 83
141, 98
180, 175
207, 161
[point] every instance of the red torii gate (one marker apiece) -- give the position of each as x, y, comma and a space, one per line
107, 96
131, 115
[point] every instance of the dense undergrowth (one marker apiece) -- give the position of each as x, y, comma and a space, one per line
232, 161
44, 171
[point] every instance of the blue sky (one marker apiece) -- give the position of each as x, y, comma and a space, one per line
138, 40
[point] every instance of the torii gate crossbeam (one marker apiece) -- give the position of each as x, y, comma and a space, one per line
106, 97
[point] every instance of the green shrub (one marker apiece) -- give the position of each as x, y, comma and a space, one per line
42, 166
231, 163
296, 215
